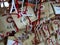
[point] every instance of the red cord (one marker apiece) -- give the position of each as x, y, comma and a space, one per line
17, 8
16, 27
39, 15
7, 33
15, 43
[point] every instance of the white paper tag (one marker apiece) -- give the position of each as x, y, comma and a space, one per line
10, 42
57, 10
2, 4
8, 26
6, 4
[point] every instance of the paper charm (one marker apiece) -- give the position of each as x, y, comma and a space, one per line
22, 13
13, 7
20, 23
25, 38
23, 20
46, 11
30, 14
8, 24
